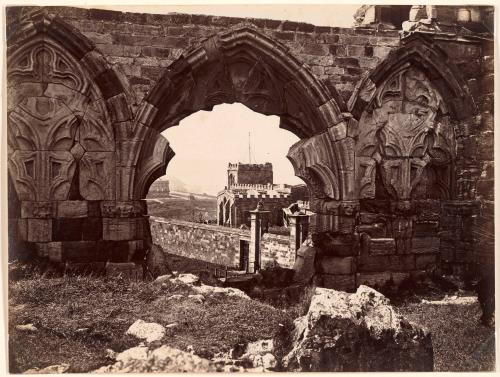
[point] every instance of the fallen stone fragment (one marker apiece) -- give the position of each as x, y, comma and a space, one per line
28, 327
454, 300
186, 279
344, 332
134, 353
198, 298
175, 297
53, 369
171, 325
164, 359
208, 290
260, 354
110, 354
163, 279
149, 331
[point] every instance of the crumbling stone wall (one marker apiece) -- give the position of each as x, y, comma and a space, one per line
209, 243
275, 250
396, 129
216, 244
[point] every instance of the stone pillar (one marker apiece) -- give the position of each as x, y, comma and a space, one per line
299, 229
258, 226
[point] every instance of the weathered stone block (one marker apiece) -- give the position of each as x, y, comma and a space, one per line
38, 210
39, 230
81, 251
425, 229
66, 229
402, 262
72, 209
22, 229
338, 266
399, 277
374, 280
425, 245
345, 283
117, 229
373, 230
50, 250
97, 179
374, 263
92, 229
426, 261
382, 246
447, 254
359, 332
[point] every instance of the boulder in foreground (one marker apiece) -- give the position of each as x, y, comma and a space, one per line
345, 332
164, 359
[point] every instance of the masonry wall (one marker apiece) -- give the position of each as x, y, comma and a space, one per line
143, 45
467, 230
452, 231
216, 244
209, 243
274, 205
275, 249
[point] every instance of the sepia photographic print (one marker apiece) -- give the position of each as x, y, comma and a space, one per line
249, 188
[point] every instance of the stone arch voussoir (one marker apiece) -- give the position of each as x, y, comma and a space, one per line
425, 54
271, 81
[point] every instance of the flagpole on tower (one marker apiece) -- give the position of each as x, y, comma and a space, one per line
249, 153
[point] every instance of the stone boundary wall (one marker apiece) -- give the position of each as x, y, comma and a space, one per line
216, 244
209, 243
275, 248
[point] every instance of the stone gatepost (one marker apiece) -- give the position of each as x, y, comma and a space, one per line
299, 229
258, 226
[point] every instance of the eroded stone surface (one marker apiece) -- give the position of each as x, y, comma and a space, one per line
356, 332
164, 359
149, 331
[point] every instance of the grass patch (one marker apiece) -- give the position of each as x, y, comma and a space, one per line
182, 209
78, 318
460, 341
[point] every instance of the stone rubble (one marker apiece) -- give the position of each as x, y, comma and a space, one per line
164, 359
29, 327
52, 369
356, 332
147, 331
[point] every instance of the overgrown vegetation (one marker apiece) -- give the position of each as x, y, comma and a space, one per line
182, 209
78, 318
460, 341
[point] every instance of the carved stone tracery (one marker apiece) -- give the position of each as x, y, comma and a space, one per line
56, 123
405, 131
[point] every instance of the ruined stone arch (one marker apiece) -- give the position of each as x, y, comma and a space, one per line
246, 66
425, 54
66, 111
411, 109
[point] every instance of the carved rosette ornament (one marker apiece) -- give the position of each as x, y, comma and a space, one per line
405, 134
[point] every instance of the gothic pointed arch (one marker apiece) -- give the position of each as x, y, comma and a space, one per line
65, 112
246, 66
409, 110
425, 54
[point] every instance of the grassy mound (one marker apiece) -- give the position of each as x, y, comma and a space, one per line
78, 318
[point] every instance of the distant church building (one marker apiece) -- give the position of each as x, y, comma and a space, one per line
159, 189
249, 184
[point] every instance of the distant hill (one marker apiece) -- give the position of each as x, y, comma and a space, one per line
179, 188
